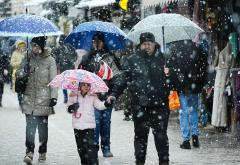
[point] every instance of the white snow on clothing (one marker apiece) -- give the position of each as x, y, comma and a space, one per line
84, 118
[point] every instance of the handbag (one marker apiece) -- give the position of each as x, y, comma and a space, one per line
21, 84
173, 101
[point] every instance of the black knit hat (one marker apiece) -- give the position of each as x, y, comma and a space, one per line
40, 41
98, 36
147, 37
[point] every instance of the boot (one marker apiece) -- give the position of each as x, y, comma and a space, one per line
28, 158
185, 145
107, 154
106, 151
42, 157
195, 141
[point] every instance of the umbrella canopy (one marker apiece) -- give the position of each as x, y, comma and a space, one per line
70, 79
28, 25
81, 36
166, 28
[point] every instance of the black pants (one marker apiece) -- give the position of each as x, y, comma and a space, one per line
150, 117
34, 122
1, 87
87, 151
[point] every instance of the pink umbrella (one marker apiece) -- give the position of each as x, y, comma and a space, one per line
70, 79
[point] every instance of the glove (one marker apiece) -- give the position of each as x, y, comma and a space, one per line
110, 103
73, 108
53, 102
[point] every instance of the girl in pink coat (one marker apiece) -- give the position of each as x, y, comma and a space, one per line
82, 105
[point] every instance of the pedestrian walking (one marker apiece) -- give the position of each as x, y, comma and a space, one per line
82, 105
15, 62
149, 82
100, 61
38, 98
4, 66
65, 56
190, 64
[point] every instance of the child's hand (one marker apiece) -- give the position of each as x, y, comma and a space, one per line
73, 108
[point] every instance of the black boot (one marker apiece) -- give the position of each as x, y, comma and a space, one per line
185, 145
195, 141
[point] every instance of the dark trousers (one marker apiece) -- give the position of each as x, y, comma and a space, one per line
20, 98
32, 123
103, 128
65, 94
1, 87
86, 148
150, 117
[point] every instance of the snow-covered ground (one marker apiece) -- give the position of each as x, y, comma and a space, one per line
216, 148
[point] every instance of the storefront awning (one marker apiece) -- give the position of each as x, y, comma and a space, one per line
150, 3
94, 3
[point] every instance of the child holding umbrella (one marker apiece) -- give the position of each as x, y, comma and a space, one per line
82, 104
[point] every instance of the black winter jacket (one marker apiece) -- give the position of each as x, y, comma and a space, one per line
91, 62
144, 75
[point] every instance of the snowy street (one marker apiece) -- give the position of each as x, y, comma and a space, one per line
216, 148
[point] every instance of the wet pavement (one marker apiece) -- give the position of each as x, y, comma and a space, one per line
216, 148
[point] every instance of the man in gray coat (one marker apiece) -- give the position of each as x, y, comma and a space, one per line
38, 97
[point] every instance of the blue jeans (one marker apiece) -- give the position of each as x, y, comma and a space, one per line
32, 124
189, 115
65, 94
103, 128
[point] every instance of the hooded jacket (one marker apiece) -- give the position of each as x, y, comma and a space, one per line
37, 95
84, 118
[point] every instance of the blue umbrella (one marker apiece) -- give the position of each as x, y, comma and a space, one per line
81, 36
28, 25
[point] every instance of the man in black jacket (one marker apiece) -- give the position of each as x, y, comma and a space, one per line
147, 77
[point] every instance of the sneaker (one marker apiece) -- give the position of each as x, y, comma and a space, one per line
42, 157
107, 154
195, 141
28, 158
185, 145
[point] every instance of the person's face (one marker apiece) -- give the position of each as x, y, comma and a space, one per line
36, 49
84, 88
98, 44
21, 48
148, 46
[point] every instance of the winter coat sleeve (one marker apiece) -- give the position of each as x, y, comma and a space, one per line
98, 104
14, 60
52, 74
120, 83
72, 99
20, 71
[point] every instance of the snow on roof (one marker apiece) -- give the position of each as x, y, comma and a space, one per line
93, 3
